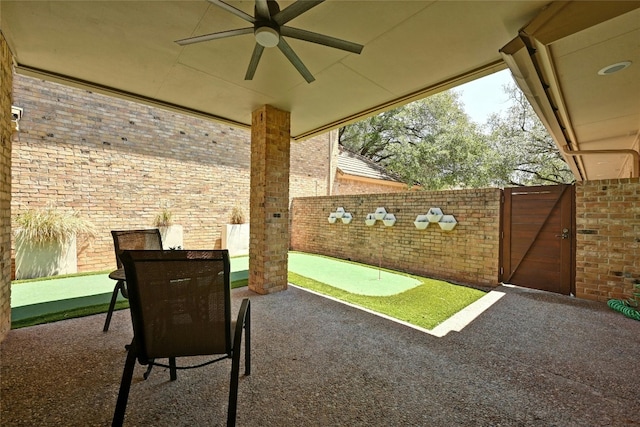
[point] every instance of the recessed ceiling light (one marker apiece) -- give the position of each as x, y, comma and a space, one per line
614, 68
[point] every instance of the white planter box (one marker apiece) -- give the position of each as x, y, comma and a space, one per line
339, 212
421, 222
346, 218
389, 220
45, 259
434, 214
370, 220
171, 237
380, 213
332, 217
235, 238
448, 222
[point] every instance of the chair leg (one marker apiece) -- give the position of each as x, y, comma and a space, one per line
173, 372
148, 371
114, 296
247, 342
233, 390
125, 385
243, 323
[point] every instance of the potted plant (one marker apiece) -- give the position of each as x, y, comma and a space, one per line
46, 242
235, 235
170, 233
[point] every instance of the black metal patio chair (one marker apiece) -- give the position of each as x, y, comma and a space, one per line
127, 240
180, 304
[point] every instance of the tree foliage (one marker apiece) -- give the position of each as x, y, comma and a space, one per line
432, 142
530, 156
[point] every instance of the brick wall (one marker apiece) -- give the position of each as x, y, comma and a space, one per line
269, 235
607, 238
5, 187
119, 163
309, 167
469, 254
344, 185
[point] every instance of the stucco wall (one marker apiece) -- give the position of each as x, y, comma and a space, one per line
5, 187
469, 254
607, 238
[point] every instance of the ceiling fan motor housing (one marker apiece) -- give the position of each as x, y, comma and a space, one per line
267, 34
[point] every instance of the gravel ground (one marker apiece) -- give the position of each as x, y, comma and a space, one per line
532, 359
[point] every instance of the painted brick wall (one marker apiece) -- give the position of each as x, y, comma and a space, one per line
119, 163
469, 254
5, 187
607, 238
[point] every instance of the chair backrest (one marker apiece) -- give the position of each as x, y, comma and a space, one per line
124, 240
180, 302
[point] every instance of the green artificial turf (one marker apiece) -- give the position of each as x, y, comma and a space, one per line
350, 276
53, 311
426, 306
417, 300
67, 314
61, 276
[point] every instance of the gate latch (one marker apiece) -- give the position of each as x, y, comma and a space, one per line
565, 234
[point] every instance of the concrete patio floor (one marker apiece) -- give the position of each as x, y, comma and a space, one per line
532, 359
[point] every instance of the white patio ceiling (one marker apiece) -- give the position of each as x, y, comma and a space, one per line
411, 49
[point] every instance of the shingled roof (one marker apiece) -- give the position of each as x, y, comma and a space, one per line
354, 164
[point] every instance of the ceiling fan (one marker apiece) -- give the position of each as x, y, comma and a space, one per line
269, 29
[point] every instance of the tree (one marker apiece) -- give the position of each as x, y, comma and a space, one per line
372, 137
431, 142
530, 156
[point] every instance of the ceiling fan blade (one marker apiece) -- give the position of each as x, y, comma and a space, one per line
262, 9
295, 60
294, 10
312, 37
213, 36
237, 12
253, 64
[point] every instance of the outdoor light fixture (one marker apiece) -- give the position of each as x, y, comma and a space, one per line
267, 36
614, 68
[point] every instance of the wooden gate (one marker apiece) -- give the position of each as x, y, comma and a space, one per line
538, 238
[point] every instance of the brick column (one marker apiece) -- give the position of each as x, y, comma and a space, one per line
269, 200
6, 79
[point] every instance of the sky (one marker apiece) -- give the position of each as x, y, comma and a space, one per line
485, 96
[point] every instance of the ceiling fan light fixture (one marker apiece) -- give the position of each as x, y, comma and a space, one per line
614, 68
267, 36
